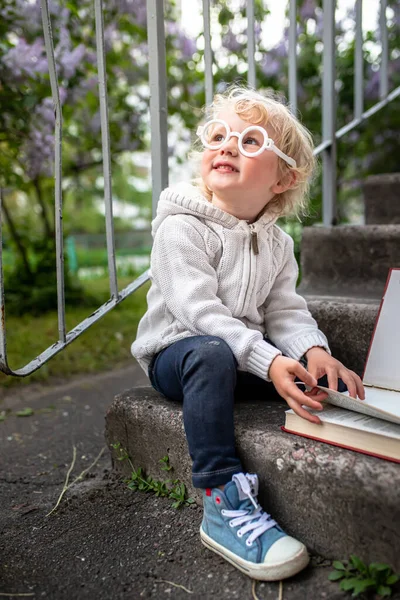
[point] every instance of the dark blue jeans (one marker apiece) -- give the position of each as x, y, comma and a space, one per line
201, 372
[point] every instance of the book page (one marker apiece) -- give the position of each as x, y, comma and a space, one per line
383, 361
382, 404
346, 418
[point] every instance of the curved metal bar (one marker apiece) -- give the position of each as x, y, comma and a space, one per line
37, 362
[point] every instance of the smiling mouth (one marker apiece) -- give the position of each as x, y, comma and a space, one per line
225, 169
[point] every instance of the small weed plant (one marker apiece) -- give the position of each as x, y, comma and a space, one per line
358, 578
170, 488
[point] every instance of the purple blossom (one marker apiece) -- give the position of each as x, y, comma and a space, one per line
70, 60
136, 8
270, 65
230, 42
372, 86
188, 46
38, 152
26, 59
180, 40
307, 10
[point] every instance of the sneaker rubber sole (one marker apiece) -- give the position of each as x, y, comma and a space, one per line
260, 571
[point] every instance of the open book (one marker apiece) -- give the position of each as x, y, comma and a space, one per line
372, 425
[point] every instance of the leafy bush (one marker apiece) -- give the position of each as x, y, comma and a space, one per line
34, 290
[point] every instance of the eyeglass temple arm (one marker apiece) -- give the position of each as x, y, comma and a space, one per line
284, 156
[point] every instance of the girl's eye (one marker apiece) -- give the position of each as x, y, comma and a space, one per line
218, 137
250, 141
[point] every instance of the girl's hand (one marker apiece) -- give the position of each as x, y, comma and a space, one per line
282, 373
321, 363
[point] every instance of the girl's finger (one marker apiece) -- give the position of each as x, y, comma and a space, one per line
304, 375
302, 412
332, 378
346, 376
317, 394
292, 391
359, 386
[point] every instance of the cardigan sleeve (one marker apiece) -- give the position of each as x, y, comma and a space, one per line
288, 321
181, 268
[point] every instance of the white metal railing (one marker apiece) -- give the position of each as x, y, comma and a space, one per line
159, 147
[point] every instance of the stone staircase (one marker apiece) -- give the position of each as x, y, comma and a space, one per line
337, 501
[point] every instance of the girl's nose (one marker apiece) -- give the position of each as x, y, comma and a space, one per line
230, 146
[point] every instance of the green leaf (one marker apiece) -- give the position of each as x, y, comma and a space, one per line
339, 566
363, 584
392, 579
380, 566
25, 412
358, 563
335, 575
384, 590
348, 584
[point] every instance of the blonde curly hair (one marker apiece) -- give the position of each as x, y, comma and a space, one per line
269, 109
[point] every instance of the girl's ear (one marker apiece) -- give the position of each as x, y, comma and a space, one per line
288, 181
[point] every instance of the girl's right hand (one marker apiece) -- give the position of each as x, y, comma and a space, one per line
282, 373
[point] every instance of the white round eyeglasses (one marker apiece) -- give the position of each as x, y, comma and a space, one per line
251, 142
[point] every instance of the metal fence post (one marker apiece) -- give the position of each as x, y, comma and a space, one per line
329, 116
158, 99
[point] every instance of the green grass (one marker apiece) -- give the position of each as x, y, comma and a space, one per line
104, 346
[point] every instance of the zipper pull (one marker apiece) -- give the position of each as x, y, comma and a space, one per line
254, 240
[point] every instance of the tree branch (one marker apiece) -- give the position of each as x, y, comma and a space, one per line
14, 234
48, 230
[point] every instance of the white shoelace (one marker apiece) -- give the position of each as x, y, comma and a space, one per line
258, 521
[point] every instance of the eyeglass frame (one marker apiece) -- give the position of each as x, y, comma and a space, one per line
268, 144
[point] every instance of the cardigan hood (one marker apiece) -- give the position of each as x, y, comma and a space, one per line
187, 199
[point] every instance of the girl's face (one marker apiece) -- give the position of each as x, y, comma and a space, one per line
240, 185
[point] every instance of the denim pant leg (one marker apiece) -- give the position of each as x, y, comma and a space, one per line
201, 372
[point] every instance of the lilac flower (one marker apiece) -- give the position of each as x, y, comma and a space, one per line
188, 46
38, 152
180, 40
280, 50
307, 10
26, 59
270, 65
372, 86
230, 42
136, 8
70, 60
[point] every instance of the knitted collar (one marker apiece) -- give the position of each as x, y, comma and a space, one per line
187, 199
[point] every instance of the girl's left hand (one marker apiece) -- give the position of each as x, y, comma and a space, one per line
321, 363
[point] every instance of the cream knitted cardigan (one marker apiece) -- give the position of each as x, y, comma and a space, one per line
214, 274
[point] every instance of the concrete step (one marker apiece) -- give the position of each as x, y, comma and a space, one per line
382, 199
348, 324
348, 260
336, 501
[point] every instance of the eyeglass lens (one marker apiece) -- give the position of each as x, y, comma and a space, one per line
216, 134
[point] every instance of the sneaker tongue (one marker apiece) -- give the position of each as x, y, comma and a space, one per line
236, 497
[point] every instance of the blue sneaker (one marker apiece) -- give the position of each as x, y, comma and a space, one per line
237, 528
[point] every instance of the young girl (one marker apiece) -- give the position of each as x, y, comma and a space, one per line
223, 286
